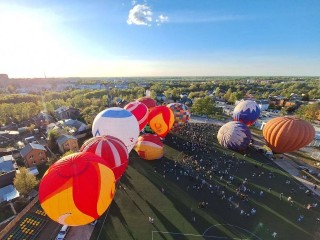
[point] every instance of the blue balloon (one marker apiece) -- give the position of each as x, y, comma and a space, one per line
234, 135
246, 112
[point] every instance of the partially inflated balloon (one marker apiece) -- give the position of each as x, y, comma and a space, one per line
234, 135
246, 112
140, 111
149, 147
111, 150
149, 102
161, 120
287, 134
77, 189
181, 113
119, 123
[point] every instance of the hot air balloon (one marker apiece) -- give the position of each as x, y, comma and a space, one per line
234, 135
287, 134
161, 120
77, 189
181, 113
246, 112
119, 123
111, 150
149, 102
140, 111
149, 147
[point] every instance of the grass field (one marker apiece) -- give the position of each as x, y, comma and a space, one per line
175, 209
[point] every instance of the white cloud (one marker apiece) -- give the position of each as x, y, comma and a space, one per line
140, 14
162, 19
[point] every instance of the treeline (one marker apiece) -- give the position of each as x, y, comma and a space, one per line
15, 107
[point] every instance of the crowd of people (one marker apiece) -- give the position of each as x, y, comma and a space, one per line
209, 172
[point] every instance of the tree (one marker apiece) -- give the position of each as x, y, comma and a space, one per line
227, 95
309, 112
24, 181
204, 106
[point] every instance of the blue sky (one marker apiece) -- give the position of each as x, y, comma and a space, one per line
159, 38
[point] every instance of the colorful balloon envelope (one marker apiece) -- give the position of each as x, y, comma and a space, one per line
140, 111
111, 150
161, 120
181, 113
149, 147
234, 135
119, 123
77, 189
246, 112
149, 102
287, 134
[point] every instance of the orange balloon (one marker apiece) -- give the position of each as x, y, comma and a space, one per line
287, 134
161, 120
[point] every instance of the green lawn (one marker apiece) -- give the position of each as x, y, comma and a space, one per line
142, 197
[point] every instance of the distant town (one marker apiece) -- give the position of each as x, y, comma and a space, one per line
45, 119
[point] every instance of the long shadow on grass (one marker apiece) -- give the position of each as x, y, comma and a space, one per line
117, 212
180, 206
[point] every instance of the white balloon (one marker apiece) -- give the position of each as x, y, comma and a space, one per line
119, 123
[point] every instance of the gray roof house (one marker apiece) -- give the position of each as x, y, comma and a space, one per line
30, 147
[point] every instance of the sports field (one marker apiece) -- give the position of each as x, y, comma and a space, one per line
171, 198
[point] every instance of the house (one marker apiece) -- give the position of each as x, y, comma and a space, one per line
33, 154
7, 170
263, 104
43, 119
67, 112
9, 151
161, 97
8, 193
76, 125
67, 143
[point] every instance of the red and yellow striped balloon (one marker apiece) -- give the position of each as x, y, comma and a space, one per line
149, 147
161, 120
77, 189
111, 150
140, 111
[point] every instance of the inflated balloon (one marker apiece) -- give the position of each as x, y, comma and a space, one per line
149, 102
161, 120
119, 123
111, 150
77, 189
246, 112
234, 135
140, 111
287, 134
181, 113
149, 147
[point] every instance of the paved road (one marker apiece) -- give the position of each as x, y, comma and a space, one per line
80, 233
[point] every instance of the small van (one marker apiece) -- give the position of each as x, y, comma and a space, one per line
63, 232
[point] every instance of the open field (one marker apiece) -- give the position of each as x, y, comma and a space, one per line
157, 189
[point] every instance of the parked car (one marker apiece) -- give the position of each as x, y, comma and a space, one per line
63, 232
94, 223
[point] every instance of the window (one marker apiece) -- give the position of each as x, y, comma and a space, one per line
31, 156
34, 162
40, 154
42, 159
67, 144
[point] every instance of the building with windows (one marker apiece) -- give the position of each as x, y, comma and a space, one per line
33, 154
67, 143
